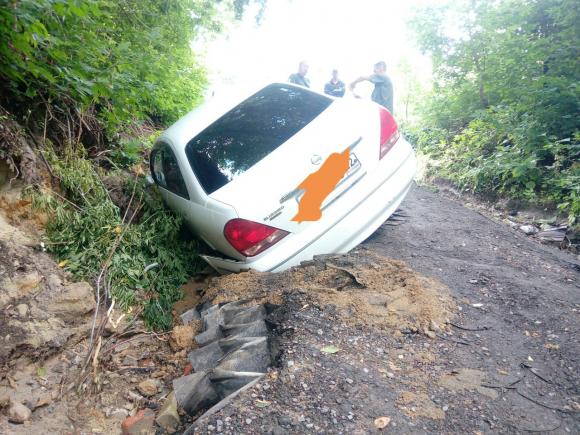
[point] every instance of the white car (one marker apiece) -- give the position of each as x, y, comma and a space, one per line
238, 176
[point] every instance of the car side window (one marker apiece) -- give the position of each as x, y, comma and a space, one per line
166, 173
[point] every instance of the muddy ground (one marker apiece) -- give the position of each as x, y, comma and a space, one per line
443, 321
507, 363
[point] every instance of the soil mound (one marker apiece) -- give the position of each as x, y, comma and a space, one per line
366, 289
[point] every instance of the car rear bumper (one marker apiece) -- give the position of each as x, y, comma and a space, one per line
382, 199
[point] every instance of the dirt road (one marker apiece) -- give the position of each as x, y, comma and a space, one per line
507, 362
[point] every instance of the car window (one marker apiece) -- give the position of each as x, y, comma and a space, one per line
165, 170
251, 131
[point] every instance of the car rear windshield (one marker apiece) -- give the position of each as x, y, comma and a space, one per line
249, 132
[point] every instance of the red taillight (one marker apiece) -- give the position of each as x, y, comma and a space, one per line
250, 238
389, 132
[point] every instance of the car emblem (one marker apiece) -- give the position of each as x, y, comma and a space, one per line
315, 159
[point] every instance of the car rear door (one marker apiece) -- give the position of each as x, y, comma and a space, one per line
167, 175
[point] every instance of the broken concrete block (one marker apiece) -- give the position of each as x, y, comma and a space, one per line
209, 336
227, 382
213, 318
205, 357
248, 315
253, 329
194, 392
228, 345
251, 357
189, 316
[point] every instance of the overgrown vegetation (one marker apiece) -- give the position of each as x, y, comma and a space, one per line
87, 83
88, 228
503, 116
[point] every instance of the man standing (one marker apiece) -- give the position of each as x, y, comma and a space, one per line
334, 87
383, 92
300, 78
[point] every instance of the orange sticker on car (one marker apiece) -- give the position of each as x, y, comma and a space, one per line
318, 185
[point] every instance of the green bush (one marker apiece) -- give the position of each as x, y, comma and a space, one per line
129, 59
503, 115
83, 230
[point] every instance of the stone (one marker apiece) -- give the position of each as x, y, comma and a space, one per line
18, 413
75, 299
149, 387
139, 424
22, 310
119, 413
284, 421
194, 392
529, 229
382, 422
168, 418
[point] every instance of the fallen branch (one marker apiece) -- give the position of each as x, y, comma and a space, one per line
465, 343
464, 328
544, 405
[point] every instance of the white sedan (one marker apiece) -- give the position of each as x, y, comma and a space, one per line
284, 175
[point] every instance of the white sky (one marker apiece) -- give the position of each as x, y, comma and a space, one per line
348, 35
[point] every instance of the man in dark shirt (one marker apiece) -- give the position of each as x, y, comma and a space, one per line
334, 87
300, 78
383, 92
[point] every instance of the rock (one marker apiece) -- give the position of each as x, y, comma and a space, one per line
119, 413
22, 310
149, 387
75, 299
434, 326
139, 424
529, 229
189, 316
182, 336
117, 322
284, 421
18, 413
168, 418
194, 392
382, 422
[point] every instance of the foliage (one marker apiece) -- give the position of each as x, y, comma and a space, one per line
504, 112
83, 230
131, 59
